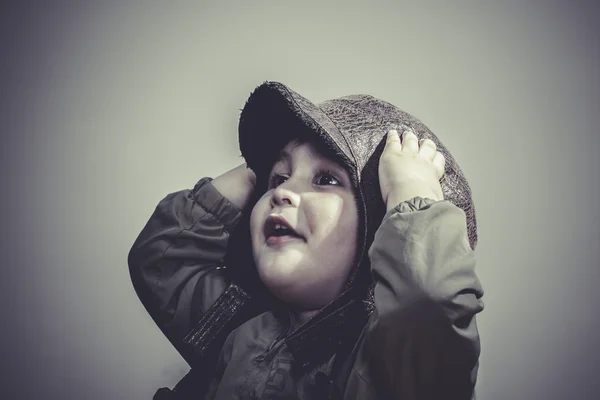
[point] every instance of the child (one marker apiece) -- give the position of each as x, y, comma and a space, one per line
337, 263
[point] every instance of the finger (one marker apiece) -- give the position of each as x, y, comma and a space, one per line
427, 149
410, 142
439, 162
392, 137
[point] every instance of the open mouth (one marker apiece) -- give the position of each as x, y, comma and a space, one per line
277, 229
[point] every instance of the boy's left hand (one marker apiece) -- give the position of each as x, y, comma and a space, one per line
409, 168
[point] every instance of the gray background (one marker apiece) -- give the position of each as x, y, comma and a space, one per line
108, 106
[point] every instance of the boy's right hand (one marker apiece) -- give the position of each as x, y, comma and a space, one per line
236, 185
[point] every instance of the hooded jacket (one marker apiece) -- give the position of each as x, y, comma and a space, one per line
403, 328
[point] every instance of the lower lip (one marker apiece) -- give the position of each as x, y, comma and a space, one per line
282, 239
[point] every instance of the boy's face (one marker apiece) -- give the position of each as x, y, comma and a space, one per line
307, 263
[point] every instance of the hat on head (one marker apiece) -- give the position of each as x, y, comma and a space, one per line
353, 129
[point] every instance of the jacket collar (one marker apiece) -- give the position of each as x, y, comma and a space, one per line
337, 326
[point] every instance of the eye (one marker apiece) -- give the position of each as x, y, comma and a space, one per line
276, 180
325, 178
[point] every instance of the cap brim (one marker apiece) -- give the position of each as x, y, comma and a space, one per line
273, 115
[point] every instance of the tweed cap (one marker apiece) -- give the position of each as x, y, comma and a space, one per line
353, 129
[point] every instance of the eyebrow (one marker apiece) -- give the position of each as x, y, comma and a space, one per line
285, 156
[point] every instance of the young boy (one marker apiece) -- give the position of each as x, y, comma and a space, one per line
337, 263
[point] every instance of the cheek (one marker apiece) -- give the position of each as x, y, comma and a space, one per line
339, 225
256, 218
325, 216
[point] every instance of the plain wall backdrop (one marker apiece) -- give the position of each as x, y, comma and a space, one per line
108, 106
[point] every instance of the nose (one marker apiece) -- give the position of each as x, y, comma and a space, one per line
284, 195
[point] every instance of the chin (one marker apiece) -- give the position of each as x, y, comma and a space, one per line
284, 286
278, 279
280, 269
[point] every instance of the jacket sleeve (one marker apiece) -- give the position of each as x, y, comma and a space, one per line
422, 340
175, 261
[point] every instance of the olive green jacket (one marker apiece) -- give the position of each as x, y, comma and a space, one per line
421, 342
